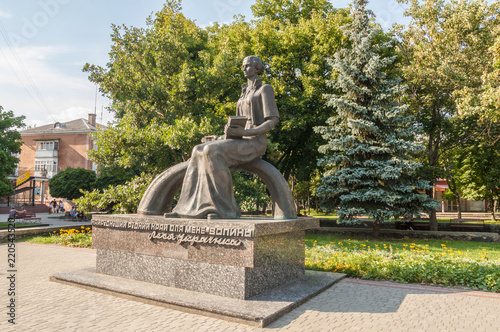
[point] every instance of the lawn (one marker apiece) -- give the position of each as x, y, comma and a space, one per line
474, 250
450, 263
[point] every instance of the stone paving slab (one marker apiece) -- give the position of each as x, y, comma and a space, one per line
259, 310
53, 219
349, 305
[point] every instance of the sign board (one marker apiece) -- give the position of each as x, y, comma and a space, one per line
22, 178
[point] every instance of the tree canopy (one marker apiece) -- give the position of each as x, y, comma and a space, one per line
174, 82
163, 95
444, 54
10, 144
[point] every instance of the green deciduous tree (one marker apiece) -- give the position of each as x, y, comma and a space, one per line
483, 98
369, 154
10, 143
444, 53
112, 176
250, 192
476, 173
163, 91
479, 173
68, 183
294, 38
454, 191
284, 11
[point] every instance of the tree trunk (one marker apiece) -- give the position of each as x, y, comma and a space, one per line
495, 204
308, 205
433, 225
459, 207
453, 187
376, 228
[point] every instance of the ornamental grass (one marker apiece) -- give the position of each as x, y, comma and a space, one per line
408, 263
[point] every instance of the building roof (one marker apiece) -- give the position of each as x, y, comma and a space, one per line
75, 126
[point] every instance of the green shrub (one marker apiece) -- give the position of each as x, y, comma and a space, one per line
70, 182
121, 198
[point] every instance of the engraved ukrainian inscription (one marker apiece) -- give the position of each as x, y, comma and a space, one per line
184, 233
192, 239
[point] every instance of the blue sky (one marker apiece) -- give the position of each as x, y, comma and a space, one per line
45, 43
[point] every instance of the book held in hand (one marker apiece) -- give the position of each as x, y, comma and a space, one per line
236, 121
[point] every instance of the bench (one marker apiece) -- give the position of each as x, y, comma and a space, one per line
27, 217
22, 215
32, 220
414, 225
67, 216
421, 225
459, 223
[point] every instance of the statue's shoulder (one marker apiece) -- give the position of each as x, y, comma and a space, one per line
267, 89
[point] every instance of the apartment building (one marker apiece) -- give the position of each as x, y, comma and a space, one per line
49, 149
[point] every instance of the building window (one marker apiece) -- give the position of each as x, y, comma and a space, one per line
48, 165
47, 146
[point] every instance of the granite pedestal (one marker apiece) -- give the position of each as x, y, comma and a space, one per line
233, 260
245, 257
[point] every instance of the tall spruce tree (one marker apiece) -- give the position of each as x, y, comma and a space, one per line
370, 140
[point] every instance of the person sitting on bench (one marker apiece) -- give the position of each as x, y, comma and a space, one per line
12, 214
73, 212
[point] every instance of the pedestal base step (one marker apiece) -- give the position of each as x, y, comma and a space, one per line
258, 311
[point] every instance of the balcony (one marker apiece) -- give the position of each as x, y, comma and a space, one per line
44, 174
46, 153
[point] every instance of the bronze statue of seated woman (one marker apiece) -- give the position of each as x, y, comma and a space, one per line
207, 186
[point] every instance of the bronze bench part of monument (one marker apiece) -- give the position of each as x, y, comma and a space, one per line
158, 197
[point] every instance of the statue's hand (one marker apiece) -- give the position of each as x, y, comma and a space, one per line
234, 131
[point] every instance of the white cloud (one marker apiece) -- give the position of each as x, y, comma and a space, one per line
66, 90
5, 14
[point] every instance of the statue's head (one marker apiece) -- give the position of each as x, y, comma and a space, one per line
256, 63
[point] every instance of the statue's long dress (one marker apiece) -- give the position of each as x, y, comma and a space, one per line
208, 185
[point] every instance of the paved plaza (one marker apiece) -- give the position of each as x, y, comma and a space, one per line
350, 305
53, 219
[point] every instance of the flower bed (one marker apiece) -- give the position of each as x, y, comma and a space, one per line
67, 237
408, 263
